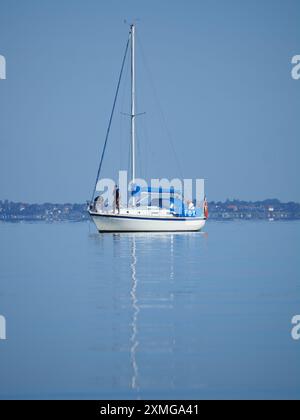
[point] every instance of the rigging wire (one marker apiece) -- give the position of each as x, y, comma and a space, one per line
162, 116
111, 118
129, 158
139, 165
139, 155
122, 111
146, 142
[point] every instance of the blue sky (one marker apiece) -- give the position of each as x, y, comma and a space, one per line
221, 71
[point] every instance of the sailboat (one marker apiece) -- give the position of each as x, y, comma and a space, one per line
146, 212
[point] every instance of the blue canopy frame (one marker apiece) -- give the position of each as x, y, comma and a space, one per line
177, 206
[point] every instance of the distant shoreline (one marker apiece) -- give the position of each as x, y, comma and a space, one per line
271, 209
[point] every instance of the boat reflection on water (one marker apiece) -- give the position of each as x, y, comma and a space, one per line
144, 314
136, 310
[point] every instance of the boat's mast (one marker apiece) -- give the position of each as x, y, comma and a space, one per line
133, 102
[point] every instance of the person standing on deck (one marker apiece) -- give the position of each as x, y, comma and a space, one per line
117, 200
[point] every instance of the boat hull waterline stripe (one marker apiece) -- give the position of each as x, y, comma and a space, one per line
168, 219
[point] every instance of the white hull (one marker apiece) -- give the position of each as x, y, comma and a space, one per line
120, 223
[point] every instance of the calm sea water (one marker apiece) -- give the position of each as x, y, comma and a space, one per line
204, 315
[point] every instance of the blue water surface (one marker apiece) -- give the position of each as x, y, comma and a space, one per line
129, 316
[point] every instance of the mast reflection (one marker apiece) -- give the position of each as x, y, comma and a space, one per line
136, 310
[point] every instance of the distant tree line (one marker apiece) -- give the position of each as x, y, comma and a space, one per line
271, 209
